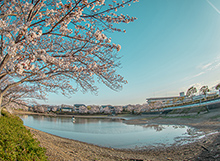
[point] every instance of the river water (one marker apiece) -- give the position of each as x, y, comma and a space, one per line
109, 132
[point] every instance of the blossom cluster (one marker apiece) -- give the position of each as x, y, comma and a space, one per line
54, 43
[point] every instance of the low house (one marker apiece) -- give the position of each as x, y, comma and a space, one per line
52, 108
107, 109
76, 107
48, 108
66, 109
112, 109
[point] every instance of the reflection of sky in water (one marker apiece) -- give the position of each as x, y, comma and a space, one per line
107, 132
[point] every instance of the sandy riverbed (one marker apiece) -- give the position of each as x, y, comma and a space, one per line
207, 148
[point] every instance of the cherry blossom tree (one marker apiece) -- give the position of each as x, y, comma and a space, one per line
157, 104
20, 95
83, 109
145, 107
60, 46
138, 108
40, 109
53, 108
106, 110
118, 109
93, 109
130, 108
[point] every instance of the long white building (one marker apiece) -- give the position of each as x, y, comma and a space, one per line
166, 101
169, 101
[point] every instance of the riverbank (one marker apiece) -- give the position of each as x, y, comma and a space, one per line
207, 148
209, 121
19, 112
66, 149
16, 142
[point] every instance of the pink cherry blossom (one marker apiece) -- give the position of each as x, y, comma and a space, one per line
60, 45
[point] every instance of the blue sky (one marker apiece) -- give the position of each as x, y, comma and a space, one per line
173, 45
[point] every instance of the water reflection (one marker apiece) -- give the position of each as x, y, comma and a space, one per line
178, 126
155, 127
108, 132
162, 127
191, 132
69, 119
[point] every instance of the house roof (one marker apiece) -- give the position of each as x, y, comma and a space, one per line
66, 108
163, 98
110, 106
78, 105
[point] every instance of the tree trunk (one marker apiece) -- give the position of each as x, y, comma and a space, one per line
207, 108
0, 104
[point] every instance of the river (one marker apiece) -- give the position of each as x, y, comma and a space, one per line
109, 132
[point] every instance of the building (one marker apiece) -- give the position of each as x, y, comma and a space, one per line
182, 94
212, 93
53, 108
107, 109
159, 102
162, 100
76, 107
66, 109
168, 101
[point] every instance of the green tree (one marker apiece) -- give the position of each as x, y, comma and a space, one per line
204, 90
217, 86
191, 91
89, 107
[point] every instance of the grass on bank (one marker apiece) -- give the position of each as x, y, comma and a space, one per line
181, 117
215, 117
16, 142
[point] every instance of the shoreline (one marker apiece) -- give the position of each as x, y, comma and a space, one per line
16, 112
59, 148
206, 148
201, 122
